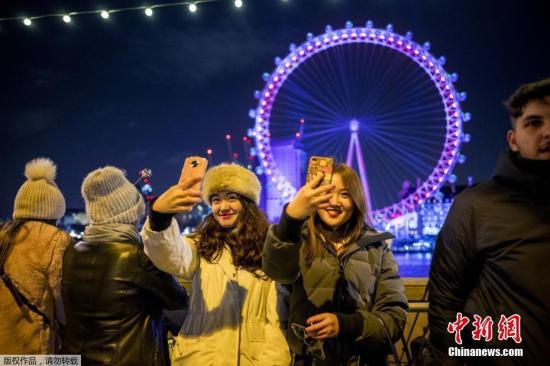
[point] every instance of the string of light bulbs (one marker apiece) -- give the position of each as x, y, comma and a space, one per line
148, 10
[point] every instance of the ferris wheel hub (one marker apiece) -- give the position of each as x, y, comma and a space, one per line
354, 125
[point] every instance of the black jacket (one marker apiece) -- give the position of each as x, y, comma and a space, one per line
492, 258
114, 297
362, 287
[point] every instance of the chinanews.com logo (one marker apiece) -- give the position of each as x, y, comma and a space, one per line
507, 328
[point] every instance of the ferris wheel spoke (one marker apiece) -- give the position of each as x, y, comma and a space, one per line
388, 182
386, 64
410, 107
347, 67
413, 102
410, 149
319, 113
411, 83
412, 126
310, 94
347, 85
291, 124
342, 153
393, 182
318, 80
403, 116
325, 116
405, 120
404, 151
407, 133
400, 154
328, 139
323, 132
418, 147
300, 97
323, 146
334, 81
379, 86
327, 149
402, 96
400, 128
408, 100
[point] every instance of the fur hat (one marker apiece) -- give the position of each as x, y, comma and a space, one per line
39, 197
111, 198
233, 178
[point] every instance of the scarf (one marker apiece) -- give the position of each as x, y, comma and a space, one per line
112, 233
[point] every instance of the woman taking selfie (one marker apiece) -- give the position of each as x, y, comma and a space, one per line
235, 312
347, 302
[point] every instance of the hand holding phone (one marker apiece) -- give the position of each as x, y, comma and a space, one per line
316, 192
180, 198
194, 167
320, 165
314, 347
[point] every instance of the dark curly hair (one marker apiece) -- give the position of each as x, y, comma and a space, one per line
246, 241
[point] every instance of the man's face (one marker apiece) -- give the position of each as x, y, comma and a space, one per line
531, 137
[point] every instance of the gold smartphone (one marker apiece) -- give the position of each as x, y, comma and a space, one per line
319, 165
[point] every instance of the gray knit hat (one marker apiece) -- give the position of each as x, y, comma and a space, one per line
39, 197
234, 178
111, 198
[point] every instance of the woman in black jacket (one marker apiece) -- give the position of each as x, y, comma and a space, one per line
113, 294
347, 301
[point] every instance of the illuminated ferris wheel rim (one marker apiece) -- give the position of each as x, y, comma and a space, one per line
382, 37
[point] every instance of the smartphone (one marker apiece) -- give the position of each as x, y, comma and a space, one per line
318, 165
314, 347
194, 167
299, 330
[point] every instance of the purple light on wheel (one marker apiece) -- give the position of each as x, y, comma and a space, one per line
404, 45
354, 125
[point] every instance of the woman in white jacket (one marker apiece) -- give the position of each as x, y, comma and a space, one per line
236, 314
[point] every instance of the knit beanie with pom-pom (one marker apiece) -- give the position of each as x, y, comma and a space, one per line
39, 197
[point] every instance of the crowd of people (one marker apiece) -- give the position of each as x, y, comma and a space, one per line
320, 287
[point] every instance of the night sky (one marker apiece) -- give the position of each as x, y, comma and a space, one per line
139, 92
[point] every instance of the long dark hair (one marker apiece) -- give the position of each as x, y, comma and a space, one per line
8, 232
350, 230
246, 241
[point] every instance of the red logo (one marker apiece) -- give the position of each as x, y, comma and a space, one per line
508, 327
483, 328
457, 327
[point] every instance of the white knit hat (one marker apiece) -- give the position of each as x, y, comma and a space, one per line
39, 197
111, 198
233, 178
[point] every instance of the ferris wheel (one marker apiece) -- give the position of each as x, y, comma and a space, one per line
372, 98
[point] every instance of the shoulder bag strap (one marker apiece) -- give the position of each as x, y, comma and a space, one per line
21, 299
